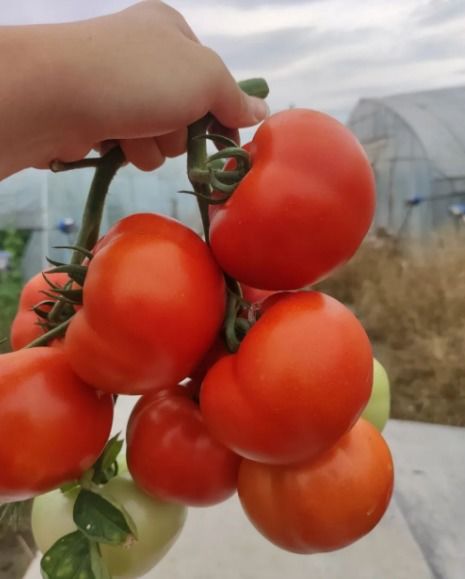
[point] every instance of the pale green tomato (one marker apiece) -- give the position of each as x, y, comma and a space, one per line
378, 407
158, 525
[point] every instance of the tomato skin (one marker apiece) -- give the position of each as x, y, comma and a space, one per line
217, 351
254, 295
158, 524
324, 504
153, 303
52, 426
302, 209
25, 328
170, 453
299, 381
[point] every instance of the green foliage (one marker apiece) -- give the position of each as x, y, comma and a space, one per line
10, 281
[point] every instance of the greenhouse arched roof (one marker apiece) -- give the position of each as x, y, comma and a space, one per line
437, 118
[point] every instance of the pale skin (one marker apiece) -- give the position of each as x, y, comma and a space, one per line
138, 77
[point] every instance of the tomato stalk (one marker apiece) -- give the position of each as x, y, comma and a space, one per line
106, 168
93, 211
201, 173
204, 174
197, 157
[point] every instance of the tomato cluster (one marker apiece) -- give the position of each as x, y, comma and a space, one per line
277, 416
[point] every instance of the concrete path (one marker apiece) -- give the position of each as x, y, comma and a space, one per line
421, 537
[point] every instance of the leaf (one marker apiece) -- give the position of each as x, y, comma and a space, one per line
97, 563
106, 467
73, 557
102, 520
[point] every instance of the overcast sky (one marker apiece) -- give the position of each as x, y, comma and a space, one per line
322, 54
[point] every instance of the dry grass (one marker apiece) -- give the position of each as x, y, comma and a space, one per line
411, 300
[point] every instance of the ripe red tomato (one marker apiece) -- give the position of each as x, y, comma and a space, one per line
254, 295
302, 209
323, 504
153, 303
52, 426
25, 327
171, 455
217, 351
299, 381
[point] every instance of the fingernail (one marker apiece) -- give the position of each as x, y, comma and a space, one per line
259, 108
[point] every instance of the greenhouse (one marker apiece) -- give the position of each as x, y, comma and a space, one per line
416, 145
49, 205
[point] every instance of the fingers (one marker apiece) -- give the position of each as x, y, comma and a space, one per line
144, 153
173, 144
148, 154
231, 106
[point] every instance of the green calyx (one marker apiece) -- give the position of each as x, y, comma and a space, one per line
207, 173
215, 175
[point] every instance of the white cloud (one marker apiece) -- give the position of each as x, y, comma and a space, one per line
206, 17
317, 53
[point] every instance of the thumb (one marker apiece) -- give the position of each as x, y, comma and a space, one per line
233, 108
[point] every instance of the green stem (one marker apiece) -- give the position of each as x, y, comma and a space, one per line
257, 87
197, 149
232, 341
60, 166
55, 332
92, 217
93, 210
197, 159
232, 309
204, 176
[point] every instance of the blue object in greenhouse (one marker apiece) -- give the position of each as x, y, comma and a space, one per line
415, 200
67, 225
457, 209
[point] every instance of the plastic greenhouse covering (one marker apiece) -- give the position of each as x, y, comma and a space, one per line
416, 144
50, 205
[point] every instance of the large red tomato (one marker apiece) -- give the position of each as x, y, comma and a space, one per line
299, 381
323, 504
217, 351
254, 295
171, 455
153, 303
302, 209
25, 327
52, 426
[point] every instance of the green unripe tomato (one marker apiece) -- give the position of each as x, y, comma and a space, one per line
158, 526
378, 407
